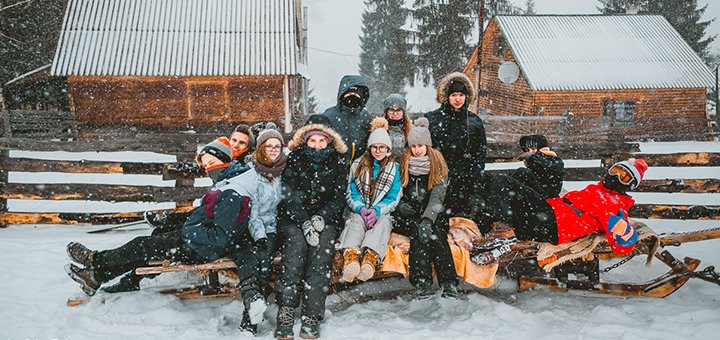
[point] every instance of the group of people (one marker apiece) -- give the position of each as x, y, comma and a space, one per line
346, 184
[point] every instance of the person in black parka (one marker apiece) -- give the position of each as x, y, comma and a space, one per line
348, 117
313, 187
459, 135
544, 170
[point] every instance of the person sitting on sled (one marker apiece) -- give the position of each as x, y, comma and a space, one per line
421, 216
600, 207
544, 170
373, 192
216, 229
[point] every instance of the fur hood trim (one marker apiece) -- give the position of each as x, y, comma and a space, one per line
297, 140
442, 95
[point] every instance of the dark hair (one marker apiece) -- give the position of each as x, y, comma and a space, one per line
244, 129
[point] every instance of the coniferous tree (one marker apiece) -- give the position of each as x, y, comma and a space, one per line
386, 61
311, 102
530, 7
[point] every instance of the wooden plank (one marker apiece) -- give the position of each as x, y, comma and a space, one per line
571, 174
4, 154
7, 218
681, 159
100, 192
681, 212
167, 268
41, 165
675, 239
680, 185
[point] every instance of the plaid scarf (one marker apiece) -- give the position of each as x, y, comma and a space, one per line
373, 191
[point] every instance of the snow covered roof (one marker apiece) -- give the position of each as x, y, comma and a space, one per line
591, 52
178, 38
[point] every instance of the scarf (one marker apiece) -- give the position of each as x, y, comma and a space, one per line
372, 191
418, 166
273, 171
318, 156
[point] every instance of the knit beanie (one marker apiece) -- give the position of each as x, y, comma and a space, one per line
219, 148
636, 167
457, 86
420, 134
270, 131
379, 134
394, 101
533, 141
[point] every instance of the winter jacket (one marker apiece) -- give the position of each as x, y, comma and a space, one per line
213, 228
314, 187
384, 203
545, 175
458, 134
397, 136
427, 201
585, 211
352, 125
263, 217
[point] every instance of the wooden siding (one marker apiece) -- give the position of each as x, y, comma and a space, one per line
171, 101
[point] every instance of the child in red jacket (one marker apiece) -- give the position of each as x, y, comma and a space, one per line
600, 207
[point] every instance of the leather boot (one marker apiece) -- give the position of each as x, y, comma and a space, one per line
351, 264
369, 264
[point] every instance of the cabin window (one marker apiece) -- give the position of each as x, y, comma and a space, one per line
500, 47
621, 112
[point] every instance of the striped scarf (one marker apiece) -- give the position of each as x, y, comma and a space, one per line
373, 191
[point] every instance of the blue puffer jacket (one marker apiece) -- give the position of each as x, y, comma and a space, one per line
267, 196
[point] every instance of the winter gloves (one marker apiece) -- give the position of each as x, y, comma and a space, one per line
369, 216
425, 230
406, 209
312, 228
623, 232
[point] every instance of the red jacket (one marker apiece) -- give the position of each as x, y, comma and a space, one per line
585, 211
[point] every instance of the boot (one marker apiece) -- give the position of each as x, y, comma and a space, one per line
253, 300
285, 321
127, 283
80, 254
369, 263
310, 327
424, 290
85, 277
155, 220
449, 291
246, 325
351, 264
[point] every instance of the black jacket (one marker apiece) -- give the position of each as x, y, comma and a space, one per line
544, 173
352, 125
427, 202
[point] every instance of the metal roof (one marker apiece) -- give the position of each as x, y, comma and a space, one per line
178, 38
591, 52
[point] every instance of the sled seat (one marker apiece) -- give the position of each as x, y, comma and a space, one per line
210, 270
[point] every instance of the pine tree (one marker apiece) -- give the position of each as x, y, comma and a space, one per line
386, 61
311, 102
684, 16
530, 7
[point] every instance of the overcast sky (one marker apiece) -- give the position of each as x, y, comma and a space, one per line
334, 28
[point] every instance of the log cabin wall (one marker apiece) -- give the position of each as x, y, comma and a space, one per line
172, 101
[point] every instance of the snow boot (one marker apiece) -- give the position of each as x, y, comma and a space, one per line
155, 220
487, 257
253, 300
285, 321
449, 291
369, 263
494, 243
85, 277
351, 264
246, 325
127, 283
310, 328
424, 291
80, 254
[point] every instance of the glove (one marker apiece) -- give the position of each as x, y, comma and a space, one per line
311, 235
318, 223
425, 231
261, 244
369, 217
406, 209
623, 232
525, 155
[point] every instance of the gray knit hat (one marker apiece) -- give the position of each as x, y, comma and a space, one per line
379, 134
219, 148
420, 134
270, 131
394, 101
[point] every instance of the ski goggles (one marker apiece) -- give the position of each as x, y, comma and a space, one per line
624, 175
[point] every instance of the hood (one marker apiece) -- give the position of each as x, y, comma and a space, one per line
442, 95
349, 81
297, 140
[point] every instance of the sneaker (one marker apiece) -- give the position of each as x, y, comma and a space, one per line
424, 291
491, 256
310, 328
128, 283
80, 254
155, 220
285, 321
494, 243
311, 235
449, 291
85, 277
246, 325
318, 223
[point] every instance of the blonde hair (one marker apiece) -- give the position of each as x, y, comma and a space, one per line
438, 167
366, 163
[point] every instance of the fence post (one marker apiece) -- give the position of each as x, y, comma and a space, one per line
4, 155
185, 182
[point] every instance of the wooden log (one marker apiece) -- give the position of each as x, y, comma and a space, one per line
100, 192
38, 165
692, 236
571, 174
4, 154
680, 185
681, 212
676, 159
167, 267
7, 218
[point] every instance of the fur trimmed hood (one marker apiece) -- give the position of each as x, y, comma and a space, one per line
297, 140
442, 94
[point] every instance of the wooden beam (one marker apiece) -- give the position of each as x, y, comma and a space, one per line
677, 159
100, 192
7, 218
675, 212
36, 165
680, 185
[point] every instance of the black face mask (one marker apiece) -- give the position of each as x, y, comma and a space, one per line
214, 174
352, 102
613, 183
318, 156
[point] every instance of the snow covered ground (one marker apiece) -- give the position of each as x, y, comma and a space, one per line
34, 289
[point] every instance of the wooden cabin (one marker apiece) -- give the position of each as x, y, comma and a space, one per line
181, 63
623, 74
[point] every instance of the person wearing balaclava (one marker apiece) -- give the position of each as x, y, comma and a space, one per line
459, 135
349, 117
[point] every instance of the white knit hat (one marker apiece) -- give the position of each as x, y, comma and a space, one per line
379, 134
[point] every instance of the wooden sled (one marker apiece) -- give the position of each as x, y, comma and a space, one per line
211, 270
